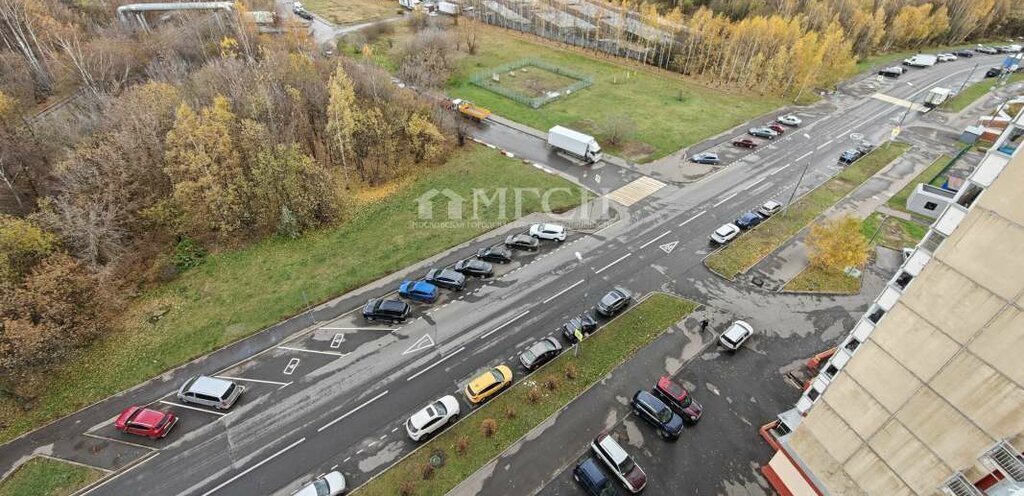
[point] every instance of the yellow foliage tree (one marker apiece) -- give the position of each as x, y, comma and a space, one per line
836, 244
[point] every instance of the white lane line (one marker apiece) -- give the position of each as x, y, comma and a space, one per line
228, 377
179, 405
723, 200
254, 467
698, 214
129, 443
357, 329
602, 269
354, 410
823, 145
346, 460
502, 326
645, 245
801, 157
562, 292
335, 353
780, 169
755, 183
435, 364
605, 228
142, 460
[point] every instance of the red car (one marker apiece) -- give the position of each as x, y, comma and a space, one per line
777, 128
745, 143
678, 399
141, 421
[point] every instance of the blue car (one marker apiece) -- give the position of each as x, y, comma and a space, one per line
418, 290
748, 220
658, 414
589, 475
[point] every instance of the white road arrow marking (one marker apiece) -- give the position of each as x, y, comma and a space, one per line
420, 344
668, 247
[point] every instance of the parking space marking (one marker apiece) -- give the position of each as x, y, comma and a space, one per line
129, 443
211, 412
261, 381
562, 292
138, 463
354, 410
723, 200
698, 214
335, 353
254, 467
435, 364
645, 245
338, 339
288, 369
606, 267
502, 326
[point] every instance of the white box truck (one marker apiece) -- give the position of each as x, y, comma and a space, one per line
936, 96
921, 60
448, 8
575, 144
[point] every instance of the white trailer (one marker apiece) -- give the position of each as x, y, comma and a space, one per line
921, 60
448, 8
936, 97
409, 4
575, 144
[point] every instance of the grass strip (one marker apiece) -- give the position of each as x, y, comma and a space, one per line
977, 90
899, 200
896, 234
599, 354
819, 280
237, 293
745, 251
47, 477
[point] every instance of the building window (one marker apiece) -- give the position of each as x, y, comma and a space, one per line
852, 345
1012, 142
875, 316
813, 394
930, 205
903, 280
969, 194
831, 371
932, 241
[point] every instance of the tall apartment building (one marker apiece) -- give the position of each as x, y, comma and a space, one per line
925, 396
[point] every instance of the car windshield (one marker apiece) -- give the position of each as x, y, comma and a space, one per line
322, 487
664, 415
626, 466
497, 376
227, 393
528, 356
440, 409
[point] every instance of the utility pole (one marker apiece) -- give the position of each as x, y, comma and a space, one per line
793, 194
968, 78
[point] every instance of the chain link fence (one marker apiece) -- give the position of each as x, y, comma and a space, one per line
486, 80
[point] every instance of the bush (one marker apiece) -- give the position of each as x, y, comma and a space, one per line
551, 383
188, 253
533, 395
407, 489
571, 372
462, 445
427, 471
488, 427
510, 412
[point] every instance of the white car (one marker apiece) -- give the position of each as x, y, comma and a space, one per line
724, 234
946, 57
790, 120
331, 484
548, 231
432, 417
769, 208
736, 335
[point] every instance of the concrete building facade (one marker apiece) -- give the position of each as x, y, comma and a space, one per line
925, 396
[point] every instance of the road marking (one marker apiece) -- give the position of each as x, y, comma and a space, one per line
780, 169
384, 436
335, 353
723, 200
635, 191
666, 233
346, 460
421, 344
254, 467
502, 326
354, 410
823, 145
668, 247
357, 329
129, 443
801, 157
142, 460
702, 212
562, 292
211, 412
435, 364
252, 380
338, 339
755, 183
605, 228
602, 269
288, 369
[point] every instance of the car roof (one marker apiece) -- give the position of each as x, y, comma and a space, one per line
737, 330
552, 227
147, 417
483, 380
771, 204
649, 399
749, 216
726, 229
667, 385
593, 471
611, 448
392, 305
420, 418
543, 345
210, 386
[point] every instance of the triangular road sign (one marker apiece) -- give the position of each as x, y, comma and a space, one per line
421, 344
668, 247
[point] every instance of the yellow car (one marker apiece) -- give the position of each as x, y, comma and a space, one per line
488, 384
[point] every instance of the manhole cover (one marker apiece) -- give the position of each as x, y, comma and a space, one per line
758, 282
437, 459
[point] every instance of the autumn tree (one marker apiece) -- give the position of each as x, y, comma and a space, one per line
341, 112
424, 138
836, 244
22, 245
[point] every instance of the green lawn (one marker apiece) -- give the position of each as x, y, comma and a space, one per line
817, 280
47, 477
598, 356
237, 293
896, 234
929, 175
977, 90
669, 112
751, 247
351, 11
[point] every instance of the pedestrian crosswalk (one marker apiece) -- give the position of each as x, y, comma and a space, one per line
899, 101
635, 191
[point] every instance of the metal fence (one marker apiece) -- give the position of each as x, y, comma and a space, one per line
484, 80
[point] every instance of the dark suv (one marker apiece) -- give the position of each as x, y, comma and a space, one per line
613, 302
850, 156
585, 324
678, 399
657, 413
446, 278
592, 479
389, 310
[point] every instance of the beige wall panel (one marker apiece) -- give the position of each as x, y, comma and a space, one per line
944, 429
917, 467
885, 379
985, 248
873, 475
855, 406
826, 424
951, 302
991, 400
913, 342
1004, 194
1001, 344
821, 464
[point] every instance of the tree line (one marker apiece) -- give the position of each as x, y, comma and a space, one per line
196, 137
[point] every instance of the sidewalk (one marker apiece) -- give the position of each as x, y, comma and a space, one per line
526, 466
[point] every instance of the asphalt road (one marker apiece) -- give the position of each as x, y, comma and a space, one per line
334, 396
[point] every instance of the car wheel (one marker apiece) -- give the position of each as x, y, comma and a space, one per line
371, 319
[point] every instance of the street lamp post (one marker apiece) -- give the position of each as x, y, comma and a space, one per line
586, 292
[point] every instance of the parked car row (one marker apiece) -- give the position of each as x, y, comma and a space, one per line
748, 220
769, 131
201, 390
427, 289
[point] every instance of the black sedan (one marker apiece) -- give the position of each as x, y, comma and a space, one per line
658, 414
522, 242
613, 302
446, 278
964, 53
993, 72
474, 267
498, 254
585, 324
387, 310
748, 220
539, 353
